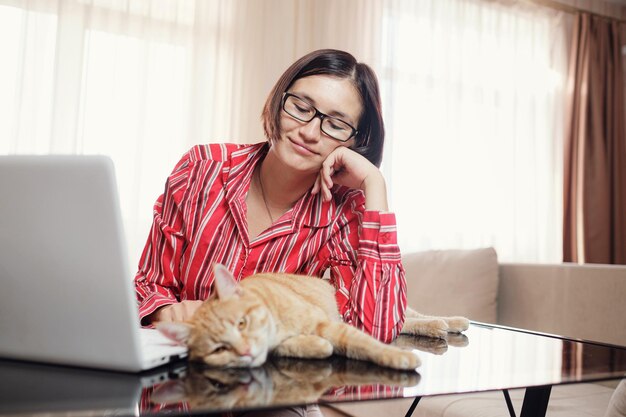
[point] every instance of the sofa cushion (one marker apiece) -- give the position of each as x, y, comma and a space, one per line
453, 282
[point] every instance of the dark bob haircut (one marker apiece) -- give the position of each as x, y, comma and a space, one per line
370, 138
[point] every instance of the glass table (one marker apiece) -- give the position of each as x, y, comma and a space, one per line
485, 358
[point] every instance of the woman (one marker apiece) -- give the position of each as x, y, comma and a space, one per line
308, 200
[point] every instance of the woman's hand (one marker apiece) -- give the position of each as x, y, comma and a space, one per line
176, 312
345, 167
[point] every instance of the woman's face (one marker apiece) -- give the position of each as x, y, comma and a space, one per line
302, 145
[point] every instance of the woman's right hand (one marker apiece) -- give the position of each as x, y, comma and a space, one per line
176, 312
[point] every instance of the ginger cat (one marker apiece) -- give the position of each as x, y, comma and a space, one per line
287, 315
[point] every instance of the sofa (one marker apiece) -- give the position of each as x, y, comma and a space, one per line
578, 301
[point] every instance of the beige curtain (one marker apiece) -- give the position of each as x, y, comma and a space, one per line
594, 221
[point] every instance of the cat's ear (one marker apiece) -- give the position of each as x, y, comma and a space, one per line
225, 284
174, 330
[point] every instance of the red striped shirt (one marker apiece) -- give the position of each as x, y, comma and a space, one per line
201, 219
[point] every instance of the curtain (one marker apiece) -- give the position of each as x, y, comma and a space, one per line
475, 96
143, 80
472, 96
112, 78
594, 220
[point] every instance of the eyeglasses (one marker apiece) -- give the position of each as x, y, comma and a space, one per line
300, 110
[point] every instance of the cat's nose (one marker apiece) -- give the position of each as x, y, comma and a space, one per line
244, 351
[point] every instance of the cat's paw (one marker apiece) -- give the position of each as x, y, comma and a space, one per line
401, 359
319, 348
457, 324
436, 328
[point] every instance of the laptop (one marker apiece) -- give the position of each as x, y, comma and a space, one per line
66, 294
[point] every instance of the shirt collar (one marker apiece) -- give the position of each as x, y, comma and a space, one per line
238, 173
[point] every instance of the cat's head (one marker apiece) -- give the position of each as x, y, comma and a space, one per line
232, 329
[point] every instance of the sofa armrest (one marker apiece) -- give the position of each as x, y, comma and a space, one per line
579, 301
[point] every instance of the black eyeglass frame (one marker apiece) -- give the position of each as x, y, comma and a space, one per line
319, 114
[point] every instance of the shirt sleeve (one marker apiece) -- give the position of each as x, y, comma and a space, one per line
367, 270
157, 282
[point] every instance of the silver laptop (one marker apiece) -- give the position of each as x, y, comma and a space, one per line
66, 291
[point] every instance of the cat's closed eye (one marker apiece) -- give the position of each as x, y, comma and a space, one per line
220, 349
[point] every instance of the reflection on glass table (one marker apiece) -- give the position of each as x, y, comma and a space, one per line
285, 381
280, 382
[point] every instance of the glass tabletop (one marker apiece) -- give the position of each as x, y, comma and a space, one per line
483, 358
491, 357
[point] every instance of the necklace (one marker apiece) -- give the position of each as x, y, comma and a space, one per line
269, 213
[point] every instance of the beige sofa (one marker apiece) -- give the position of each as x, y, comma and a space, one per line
580, 301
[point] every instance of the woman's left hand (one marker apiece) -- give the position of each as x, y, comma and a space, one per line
345, 167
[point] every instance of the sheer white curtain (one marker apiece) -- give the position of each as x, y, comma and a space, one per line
470, 88
143, 80
97, 77
474, 99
